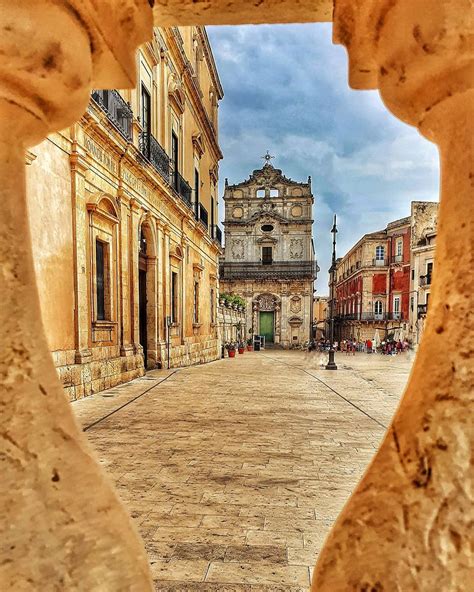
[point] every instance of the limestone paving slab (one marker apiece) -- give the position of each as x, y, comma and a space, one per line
235, 471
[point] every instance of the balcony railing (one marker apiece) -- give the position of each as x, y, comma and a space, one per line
155, 154
182, 188
203, 216
275, 270
422, 310
118, 111
217, 234
379, 262
398, 258
425, 280
371, 316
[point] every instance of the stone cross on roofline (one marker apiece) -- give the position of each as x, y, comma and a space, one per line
267, 158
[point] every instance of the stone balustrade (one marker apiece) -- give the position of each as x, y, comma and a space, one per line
406, 526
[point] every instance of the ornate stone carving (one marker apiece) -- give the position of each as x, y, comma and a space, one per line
296, 211
237, 212
295, 321
295, 304
296, 248
266, 302
238, 248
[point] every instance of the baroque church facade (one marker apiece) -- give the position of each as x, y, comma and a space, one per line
269, 256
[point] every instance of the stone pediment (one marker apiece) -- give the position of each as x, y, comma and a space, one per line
267, 215
268, 176
267, 240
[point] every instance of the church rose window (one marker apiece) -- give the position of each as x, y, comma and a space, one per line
267, 228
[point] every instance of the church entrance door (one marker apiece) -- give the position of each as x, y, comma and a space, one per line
267, 326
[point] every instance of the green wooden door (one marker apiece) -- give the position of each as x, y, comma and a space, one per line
267, 326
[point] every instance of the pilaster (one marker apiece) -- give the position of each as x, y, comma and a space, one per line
135, 215
79, 164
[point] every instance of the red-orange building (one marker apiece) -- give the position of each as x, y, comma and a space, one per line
373, 285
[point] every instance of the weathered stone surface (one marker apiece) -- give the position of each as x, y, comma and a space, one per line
62, 525
236, 12
242, 464
408, 524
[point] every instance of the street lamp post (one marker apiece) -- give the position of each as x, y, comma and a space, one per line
331, 365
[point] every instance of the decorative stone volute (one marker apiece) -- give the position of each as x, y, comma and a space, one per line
63, 526
52, 53
407, 526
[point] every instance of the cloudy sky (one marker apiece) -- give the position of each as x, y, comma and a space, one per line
286, 91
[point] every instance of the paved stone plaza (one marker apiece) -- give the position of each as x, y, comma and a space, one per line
234, 471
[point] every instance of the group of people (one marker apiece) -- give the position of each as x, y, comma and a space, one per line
351, 346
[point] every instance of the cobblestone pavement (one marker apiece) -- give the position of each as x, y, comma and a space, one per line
234, 471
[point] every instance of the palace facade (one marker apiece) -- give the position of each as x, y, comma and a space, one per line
373, 284
375, 287
269, 257
123, 209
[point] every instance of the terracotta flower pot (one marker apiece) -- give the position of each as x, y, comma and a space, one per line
232, 353
241, 350
249, 347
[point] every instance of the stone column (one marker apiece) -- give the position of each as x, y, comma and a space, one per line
126, 346
159, 278
81, 238
135, 215
183, 273
151, 311
62, 525
166, 271
408, 524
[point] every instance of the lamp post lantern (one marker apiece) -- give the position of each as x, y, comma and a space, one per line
331, 365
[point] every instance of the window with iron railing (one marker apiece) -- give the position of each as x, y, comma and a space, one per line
118, 111
203, 216
217, 234
155, 154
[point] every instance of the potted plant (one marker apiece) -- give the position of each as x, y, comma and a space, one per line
249, 344
230, 347
241, 347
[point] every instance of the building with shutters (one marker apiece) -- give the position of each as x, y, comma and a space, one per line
373, 285
376, 291
269, 257
424, 221
124, 221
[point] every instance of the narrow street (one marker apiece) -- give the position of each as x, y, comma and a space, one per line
234, 471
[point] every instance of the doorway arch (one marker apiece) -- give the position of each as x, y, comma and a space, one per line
147, 293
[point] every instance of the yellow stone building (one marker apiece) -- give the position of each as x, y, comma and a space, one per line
123, 215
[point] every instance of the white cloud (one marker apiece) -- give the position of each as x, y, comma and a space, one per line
286, 91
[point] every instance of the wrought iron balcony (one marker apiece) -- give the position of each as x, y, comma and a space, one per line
276, 270
182, 188
372, 316
379, 262
119, 113
203, 216
422, 310
155, 154
425, 280
217, 234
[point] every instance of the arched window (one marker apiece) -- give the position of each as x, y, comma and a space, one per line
380, 253
378, 309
